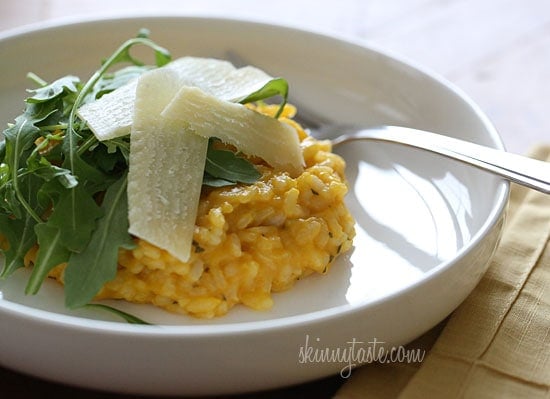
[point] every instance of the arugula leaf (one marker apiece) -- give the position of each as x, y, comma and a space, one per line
112, 81
276, 86
225, 165
162, 56
90, 269
44, 169
126, 316
51, 252
21, 237
54, 90
20, 137
211, 181
20, 231
75, 216
110, 156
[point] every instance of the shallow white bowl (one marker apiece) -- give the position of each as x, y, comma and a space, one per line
427, 226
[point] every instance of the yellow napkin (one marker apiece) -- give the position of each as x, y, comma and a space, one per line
497, 343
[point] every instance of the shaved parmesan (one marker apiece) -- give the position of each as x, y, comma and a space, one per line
111, 115
241, 82
250, 132
176, 109
209, 74
166, 169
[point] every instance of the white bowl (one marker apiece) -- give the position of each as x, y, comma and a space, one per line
427, 226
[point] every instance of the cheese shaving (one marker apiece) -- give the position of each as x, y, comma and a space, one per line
111, 116
166, 169
250, 132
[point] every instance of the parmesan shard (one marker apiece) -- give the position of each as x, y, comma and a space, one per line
209, 74
249, 131
166, 169
111, 115
241, 82
175, 110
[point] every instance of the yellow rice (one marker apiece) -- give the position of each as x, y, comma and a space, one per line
249, 240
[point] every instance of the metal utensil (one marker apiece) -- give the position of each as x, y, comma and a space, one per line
519, 169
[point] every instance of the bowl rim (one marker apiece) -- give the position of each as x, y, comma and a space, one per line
251, 327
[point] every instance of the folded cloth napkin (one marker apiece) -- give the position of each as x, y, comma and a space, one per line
497, 343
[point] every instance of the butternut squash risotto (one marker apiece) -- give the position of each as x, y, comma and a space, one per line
249, 240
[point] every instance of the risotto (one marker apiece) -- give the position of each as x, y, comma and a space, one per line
249, 240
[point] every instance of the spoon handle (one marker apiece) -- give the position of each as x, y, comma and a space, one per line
519, 169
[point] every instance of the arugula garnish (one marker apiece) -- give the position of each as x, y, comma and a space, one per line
225, 168
54, 90
57, 181
276, 86
131, 319
65, 191
89, 269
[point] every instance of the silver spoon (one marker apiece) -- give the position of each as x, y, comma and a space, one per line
519, 169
